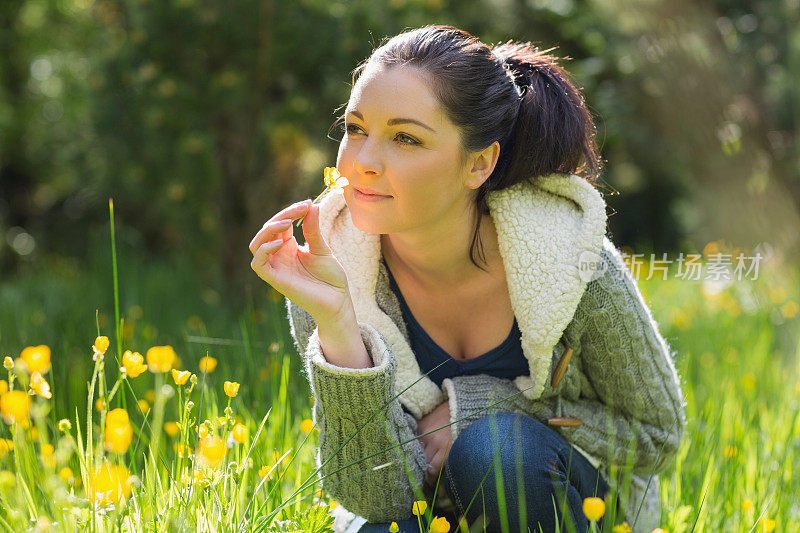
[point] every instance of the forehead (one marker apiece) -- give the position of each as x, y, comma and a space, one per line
396, 91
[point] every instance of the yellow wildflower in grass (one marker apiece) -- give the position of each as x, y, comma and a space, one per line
8, 363
393, 527
66, 474
731, 451
768, 524
144, 407
207, 364
263, 471
747, 505
171, 428
40, 386
440, 525
621, 528
133, 363
419, 507
101, 344
6, 445
161, 358
306, 425
211, 451
180, 376
37, 358
3, 386
202, 431
109, 483
100, 404
64, 425
46, 455
150, 396
119, 431
594, 508
231, 388
15, 405
182, 450
239, 433
790, 309
333, 183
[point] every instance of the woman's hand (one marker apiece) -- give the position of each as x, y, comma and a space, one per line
436, 444
310, 275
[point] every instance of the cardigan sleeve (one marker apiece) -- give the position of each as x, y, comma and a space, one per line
628, 365
369, 457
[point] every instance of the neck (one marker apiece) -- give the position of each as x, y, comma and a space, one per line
440, 258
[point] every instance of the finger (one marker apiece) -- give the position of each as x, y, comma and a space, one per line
312, 234
260, 263
296, 210
272, 230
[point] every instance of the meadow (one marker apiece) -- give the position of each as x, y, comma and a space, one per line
216, 433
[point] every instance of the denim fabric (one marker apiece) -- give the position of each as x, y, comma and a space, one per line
548, 466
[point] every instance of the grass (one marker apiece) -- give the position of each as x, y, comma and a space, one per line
737, 353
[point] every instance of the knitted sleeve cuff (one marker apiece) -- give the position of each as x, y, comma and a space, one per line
352, 391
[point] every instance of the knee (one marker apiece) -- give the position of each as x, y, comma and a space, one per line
510, 441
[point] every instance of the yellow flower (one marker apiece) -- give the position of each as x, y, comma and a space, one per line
769, 524
119, 431
150, 396
66, 474
47, 455
306, 425
419, 507
202, 431
6, 445
133, 363
15, 405
109, 483
101, 344
731, 451
37, 358
658, 530
263, 471
239, 433
40, 386
144, 406
231, 388
8, 363
160, 358
171, 428
594, 508
100, 404
747, 505
211, 451
64, 425
207, 364
621, 528
333, 183
790, 309
181, 450
3, 386
180, 376
440, 525
393, 527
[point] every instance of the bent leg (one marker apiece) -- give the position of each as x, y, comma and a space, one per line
521, 473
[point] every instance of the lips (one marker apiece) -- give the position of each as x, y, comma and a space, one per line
364, 190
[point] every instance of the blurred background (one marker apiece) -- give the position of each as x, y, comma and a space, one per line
202, 118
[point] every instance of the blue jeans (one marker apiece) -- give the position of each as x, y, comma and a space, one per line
538, 469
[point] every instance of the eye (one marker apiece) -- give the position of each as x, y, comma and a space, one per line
353, 128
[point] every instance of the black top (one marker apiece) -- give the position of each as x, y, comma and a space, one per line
504, 361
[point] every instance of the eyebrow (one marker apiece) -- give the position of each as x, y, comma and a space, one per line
395, 121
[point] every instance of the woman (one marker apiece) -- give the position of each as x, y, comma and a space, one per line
533, 372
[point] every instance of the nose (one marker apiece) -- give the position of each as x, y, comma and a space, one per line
367, 160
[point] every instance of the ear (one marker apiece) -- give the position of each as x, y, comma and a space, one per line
482, 166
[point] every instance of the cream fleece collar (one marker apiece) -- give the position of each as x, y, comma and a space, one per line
546, 229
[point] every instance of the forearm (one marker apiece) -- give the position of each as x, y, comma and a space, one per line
361, 426
341, 343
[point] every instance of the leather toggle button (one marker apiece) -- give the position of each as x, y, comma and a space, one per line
561, 367
565, 421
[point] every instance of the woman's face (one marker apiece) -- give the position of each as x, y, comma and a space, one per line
415, 164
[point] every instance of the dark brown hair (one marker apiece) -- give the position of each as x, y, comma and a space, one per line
512, 93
